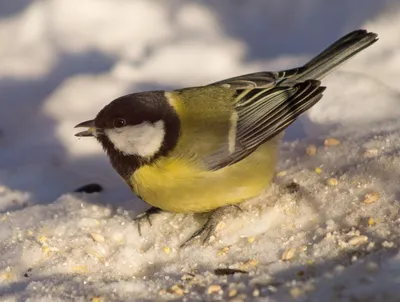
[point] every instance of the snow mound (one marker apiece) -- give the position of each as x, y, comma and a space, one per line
334, 235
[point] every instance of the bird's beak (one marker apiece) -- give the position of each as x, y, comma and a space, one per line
91, 131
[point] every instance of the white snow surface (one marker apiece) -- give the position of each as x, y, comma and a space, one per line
62, 61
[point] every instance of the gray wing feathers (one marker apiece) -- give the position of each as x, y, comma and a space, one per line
268, 102
267, 117
266, 114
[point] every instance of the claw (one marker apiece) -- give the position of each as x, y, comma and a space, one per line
145, 215
207, 230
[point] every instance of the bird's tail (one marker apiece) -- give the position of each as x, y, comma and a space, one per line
336, 54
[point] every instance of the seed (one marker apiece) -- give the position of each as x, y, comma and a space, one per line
252, 262
388, 244
167, 250
311, 150
371, 197
249, 263
371, 153
358, 240
329, 142
233, 292
288, 254
97, 237
80, 269
214, 289
371, 221
318, 170
223, 251
42, 239
332, 182
281, 173
177, 290
251, 239
296, 292
46, 250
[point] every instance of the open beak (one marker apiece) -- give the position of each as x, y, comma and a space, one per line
91, 131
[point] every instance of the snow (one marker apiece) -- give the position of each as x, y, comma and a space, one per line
62, 61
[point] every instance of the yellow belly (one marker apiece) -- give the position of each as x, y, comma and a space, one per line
179, 185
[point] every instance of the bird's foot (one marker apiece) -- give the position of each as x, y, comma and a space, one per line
208, 229
145, 216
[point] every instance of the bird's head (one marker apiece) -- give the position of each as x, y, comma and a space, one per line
139, 126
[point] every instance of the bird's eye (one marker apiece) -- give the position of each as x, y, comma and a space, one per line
119, 122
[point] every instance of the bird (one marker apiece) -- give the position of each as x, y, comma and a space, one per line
206, 149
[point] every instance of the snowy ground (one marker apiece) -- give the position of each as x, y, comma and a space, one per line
61, 61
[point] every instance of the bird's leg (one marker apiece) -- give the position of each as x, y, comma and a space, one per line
145, 216
207, 230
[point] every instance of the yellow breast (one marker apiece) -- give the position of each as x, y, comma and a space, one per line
182, 185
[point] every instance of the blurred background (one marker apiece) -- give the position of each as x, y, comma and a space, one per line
62, 61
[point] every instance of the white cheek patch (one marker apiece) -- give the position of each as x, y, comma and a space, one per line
144, 139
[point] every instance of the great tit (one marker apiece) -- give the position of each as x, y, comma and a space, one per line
207, 148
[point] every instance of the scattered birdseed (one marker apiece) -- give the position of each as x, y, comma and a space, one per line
177, 290
371, 221
223, 251
311, 150
187, 277
252, 262
388, 244
318, 170
233, 292
214, 289
281, 173
42, 239
7, 274
248, 264
288, 254
256, 293
97, 237
329, 142
80, 269
358, 240
251, 239
220, 226
370, 153
371, 197
332, 182
296, 292
46, 250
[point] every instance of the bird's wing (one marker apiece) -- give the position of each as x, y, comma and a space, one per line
267, 102
263, 108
